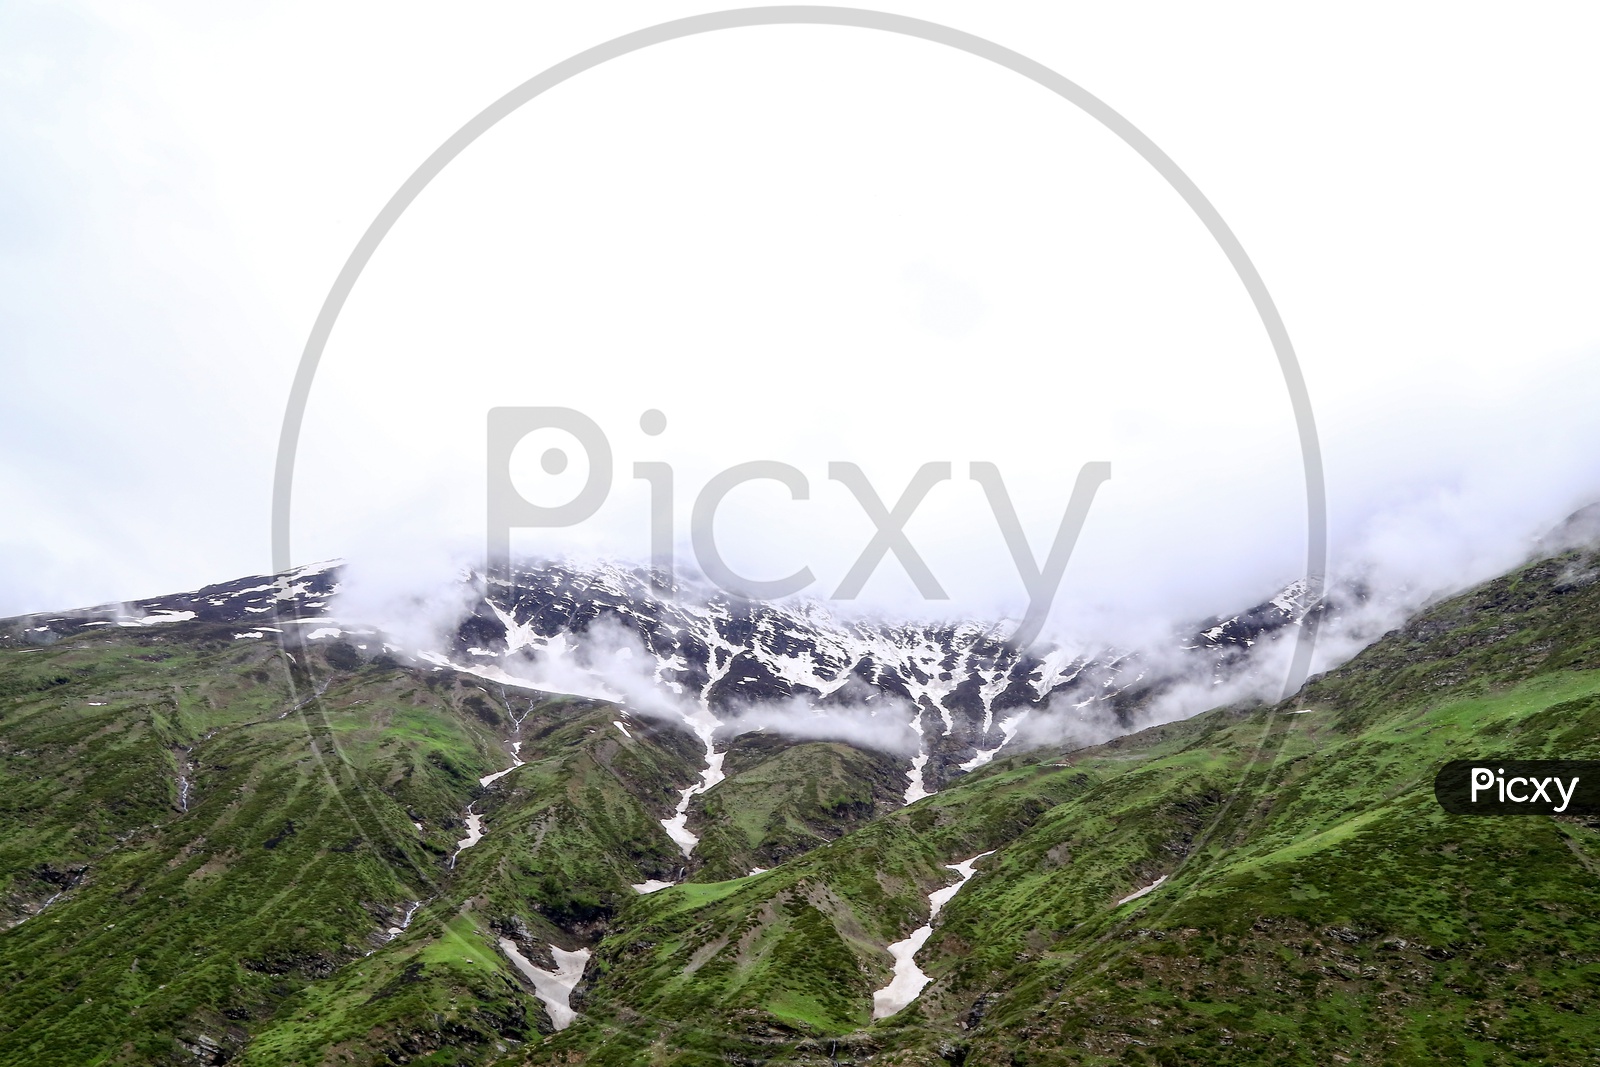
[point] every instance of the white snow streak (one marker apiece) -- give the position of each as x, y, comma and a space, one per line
704, 724
915, 790
516, 761
1009, 727
396, 931
474, 834
552, 987
908, 981
1136, 894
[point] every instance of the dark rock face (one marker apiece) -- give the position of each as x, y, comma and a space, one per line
963, 685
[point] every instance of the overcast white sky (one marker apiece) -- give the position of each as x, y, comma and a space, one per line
804, 244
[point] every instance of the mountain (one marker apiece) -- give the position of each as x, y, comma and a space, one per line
220, 848
1269, 885
964, 691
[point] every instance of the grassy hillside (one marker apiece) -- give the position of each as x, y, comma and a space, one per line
200, 858
248, 918
1318, 907
782, 799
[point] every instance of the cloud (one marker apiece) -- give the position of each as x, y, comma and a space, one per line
417, 599
882, 726
170, 250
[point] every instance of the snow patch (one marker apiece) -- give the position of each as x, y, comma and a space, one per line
1008, 727
516, 761
474, 834
915, 790
1136, 894
518, 635
553, 987
159, 617
909, 980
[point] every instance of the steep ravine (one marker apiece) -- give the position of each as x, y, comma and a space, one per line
909, 979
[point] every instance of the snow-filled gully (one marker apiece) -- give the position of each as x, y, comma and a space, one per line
396, 931
516, 761
929, 685
1008, 729
704, 724
474, 834
909, 980
474, 820
915, 789
516, 746
184, 785
555, 987
1137, 893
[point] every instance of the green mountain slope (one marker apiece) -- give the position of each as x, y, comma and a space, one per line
1317, 906
782, 799
205, 844
249, 915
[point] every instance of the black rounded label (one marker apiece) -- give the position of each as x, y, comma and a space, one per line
1494, 786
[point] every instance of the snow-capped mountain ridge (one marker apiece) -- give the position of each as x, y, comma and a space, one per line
965, 690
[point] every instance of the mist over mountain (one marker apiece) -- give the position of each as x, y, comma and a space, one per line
598, 822
944, 696
1157, 433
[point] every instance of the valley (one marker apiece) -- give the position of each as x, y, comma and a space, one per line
222, 849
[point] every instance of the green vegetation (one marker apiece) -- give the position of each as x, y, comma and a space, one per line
1317, 907
236, 922
782, 799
